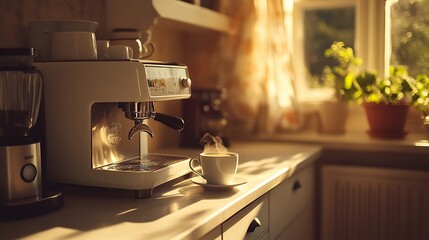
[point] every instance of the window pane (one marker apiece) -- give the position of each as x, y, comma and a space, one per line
410, 35
322, 27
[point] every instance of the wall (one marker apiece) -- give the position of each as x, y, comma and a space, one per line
16, 14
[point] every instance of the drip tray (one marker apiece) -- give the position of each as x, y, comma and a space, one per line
142, 174
147, 163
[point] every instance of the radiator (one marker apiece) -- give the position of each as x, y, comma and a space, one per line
374, 204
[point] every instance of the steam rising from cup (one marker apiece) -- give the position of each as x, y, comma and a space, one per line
212, 144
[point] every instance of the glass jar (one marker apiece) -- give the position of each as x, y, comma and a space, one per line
20, 92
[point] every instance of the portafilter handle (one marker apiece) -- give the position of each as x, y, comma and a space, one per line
175, 123
139, 127
139, 111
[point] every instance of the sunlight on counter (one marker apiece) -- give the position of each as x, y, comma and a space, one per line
422, 143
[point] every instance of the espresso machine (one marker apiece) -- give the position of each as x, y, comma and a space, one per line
96, 122
21, 190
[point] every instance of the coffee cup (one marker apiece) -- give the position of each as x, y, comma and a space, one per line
74, 46
216, 168
119, 52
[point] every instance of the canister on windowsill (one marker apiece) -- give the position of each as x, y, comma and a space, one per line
204, 113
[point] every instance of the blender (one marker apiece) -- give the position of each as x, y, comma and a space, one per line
20, 152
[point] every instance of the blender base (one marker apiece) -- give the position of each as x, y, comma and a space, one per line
20, 209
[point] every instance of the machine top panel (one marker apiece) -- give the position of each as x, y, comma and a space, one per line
167, 80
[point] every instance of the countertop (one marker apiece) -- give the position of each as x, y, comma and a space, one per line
177, 210
357, 148
413, 142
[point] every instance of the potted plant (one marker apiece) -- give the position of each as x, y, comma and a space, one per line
386, 101
420, 99
341, 77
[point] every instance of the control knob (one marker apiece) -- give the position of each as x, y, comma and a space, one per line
185, 82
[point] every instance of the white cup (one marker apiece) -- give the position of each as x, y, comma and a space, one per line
119, 52
216, 168
102, 46
74, 46
133, 38
140, 50
133, 43
40, 33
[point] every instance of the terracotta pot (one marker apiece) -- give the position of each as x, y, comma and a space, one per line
386, 120
333, 117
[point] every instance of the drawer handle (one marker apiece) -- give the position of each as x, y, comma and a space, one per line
296, 185
253, 225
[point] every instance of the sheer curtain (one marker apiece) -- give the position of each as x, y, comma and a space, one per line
256, 67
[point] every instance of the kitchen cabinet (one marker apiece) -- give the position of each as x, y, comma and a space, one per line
374, 203
291, 207
302, 227
251, 223
285, 212
215, 234
142, 15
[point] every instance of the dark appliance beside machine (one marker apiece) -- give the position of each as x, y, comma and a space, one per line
205, 113
21, 188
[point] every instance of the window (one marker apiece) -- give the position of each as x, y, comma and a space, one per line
410, 35
382, 32
317, 23
321, 28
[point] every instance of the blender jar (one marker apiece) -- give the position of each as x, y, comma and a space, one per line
20, 93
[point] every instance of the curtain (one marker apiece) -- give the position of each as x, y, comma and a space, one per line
257, 68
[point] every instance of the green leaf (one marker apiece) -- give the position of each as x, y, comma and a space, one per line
348, 81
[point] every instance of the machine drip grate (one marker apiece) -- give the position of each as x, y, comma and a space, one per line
147, 163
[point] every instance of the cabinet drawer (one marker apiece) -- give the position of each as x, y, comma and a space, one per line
215, 234
290, 198
301, 228
236, 227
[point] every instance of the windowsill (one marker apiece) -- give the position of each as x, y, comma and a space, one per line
414, 142
308, 95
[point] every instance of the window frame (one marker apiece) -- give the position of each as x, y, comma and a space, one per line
372, 41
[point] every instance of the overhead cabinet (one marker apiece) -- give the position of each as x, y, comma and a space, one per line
143, 14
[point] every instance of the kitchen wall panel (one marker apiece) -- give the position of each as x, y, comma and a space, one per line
16, 14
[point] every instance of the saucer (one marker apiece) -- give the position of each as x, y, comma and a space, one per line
235, 182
